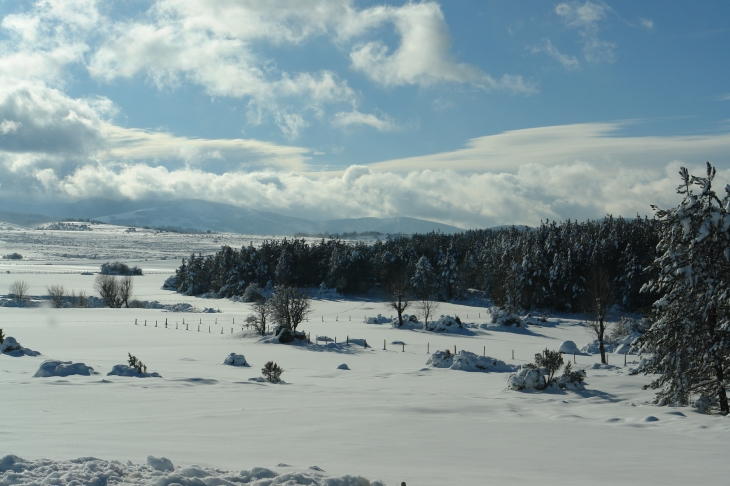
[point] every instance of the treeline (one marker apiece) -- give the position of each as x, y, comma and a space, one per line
543, 267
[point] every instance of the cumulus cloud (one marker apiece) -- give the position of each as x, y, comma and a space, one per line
546, 46
423, 54
534, 193
586, 18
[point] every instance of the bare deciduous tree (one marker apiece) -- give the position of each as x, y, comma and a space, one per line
262, 311
19, 290
125, 287
426, 307
108, 288
56, 293
289, 306
599, 296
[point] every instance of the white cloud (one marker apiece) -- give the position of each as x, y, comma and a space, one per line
382, 124
534, 193
9, 126
568, 62
586, 19
647, 23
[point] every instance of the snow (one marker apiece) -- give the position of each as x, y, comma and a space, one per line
526, 379
234, 359
124, 370
52, 367
10, 346
444, 324
569, 347
390, 418
467, 361
157, 472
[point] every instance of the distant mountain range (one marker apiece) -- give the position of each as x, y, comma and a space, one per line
199, 215
206, 215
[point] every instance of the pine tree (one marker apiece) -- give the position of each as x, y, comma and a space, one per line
272, 372
690, 339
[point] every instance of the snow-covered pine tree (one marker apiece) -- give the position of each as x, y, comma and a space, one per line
690, 339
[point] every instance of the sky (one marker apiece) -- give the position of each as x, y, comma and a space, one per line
471, 113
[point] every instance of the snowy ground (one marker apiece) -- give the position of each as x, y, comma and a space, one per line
389, 417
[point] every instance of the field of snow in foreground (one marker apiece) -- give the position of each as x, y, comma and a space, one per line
386, 416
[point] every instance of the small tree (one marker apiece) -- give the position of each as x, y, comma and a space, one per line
272, 372
108, 288
262, 311
397, 284
426, 307
2, 336
124, 288
550, 362
423, 285
19, 290
79, 300
136, 364
599, 296
289, 306
56, 293
689, 340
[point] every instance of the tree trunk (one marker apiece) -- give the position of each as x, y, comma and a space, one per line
601, 330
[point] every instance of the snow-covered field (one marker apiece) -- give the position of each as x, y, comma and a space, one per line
390, 417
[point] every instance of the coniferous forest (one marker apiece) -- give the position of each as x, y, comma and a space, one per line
548, 267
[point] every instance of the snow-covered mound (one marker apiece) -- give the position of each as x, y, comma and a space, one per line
234, 359
12, 347
569, 347
526, 379
124, 370
624, 345
467, 361
379, 320
444, 324
52, 367
157, 472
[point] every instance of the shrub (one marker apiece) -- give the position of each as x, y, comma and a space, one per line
78, 300
570, 378
19, 290
136, 364
14, 256
253, 293
119, 268
2, 336
550, 362
272, 372
56, 293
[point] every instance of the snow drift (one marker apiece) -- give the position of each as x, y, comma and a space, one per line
52, 367
467, 361
157, 472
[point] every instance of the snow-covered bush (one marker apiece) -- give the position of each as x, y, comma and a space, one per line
253, 293
502, 317
466, 361
569, 347
284, 335
540, 375
627, 326
528, 377
593, 347
379, 320
444, 324
11, 346
124, 370
52, 367
170, 283
571, 380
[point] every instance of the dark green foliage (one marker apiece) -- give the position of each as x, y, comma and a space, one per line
119, 268
549, 362
543, 267
2, 336
136, 364
272, 372
13, 256
689, 341
570, 376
